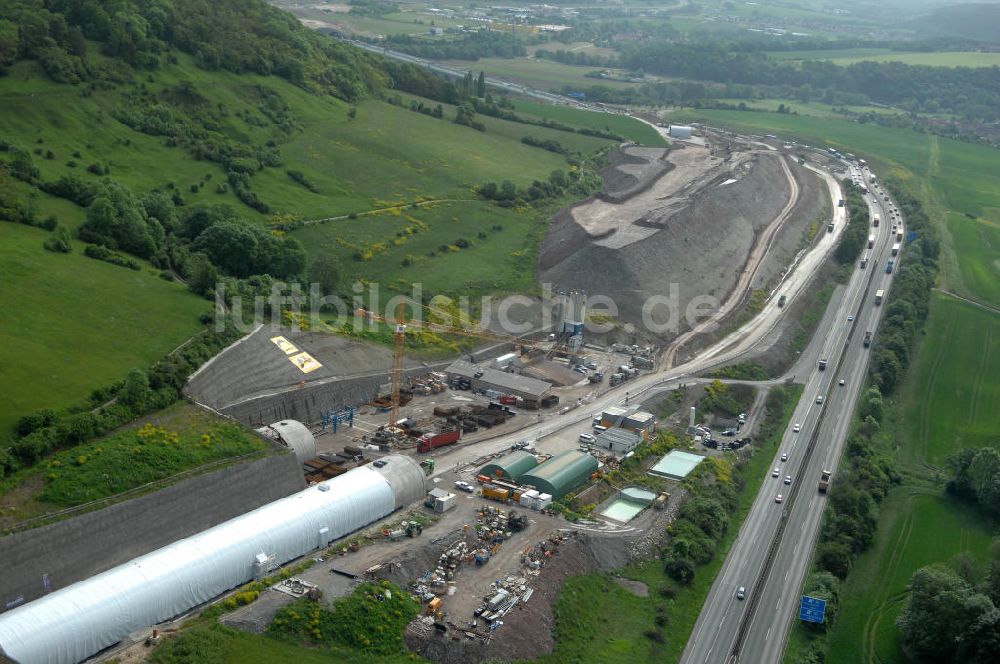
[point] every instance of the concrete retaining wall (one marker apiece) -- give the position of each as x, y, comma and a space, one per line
38, 561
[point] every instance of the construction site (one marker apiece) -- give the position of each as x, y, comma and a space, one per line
477, 482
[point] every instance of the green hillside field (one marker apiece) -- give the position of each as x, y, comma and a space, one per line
72, 324
370, 155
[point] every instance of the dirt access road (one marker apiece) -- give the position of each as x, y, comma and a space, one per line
742, 289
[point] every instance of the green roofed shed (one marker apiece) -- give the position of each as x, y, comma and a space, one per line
511, 466
562, 473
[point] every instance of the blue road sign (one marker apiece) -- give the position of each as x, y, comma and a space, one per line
812, 609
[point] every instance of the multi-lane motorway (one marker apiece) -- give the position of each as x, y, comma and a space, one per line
771, 554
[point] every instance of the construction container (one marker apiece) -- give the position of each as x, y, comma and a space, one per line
495, 493
433, 606
543, 501
529, 499
444, 504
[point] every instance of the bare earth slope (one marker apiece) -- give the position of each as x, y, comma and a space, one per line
687, 217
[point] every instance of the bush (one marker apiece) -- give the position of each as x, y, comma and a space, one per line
59, 242
680, 570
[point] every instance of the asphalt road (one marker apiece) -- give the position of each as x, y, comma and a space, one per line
755, 629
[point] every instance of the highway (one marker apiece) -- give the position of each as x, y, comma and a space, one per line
772, 565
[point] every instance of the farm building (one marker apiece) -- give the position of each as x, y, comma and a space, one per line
512, 466
561, 474
72, 624
618, 441
480, 378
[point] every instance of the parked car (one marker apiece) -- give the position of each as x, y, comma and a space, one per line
587, 438
464, 486
729, 432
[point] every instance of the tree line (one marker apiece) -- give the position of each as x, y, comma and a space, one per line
973, 93
482, 44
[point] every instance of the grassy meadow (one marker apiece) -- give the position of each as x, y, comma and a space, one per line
72, 324
629, 127
851, 56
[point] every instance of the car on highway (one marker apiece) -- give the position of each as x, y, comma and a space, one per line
819, 399
850, 318
842, 382
741, 593
797, 428
464, 486
788, 479
784, 456
779, 498
776, 472
587, 438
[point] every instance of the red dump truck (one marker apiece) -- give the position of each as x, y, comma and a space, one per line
430, 441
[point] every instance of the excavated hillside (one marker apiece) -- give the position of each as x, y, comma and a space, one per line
681, 220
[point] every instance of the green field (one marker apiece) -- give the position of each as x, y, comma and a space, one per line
977, 243
72, 324
854, 55
917, 527
949, 400
630, 128
502, 260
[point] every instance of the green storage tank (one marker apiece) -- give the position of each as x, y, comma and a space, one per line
562, 473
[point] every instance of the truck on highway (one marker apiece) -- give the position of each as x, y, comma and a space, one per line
888, 266
431, 441
822, 365
879, 294
899, 234
895, 249
824, 481
871, 241
868, 339
875, 220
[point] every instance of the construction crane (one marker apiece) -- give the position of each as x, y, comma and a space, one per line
399, 343
397, 362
